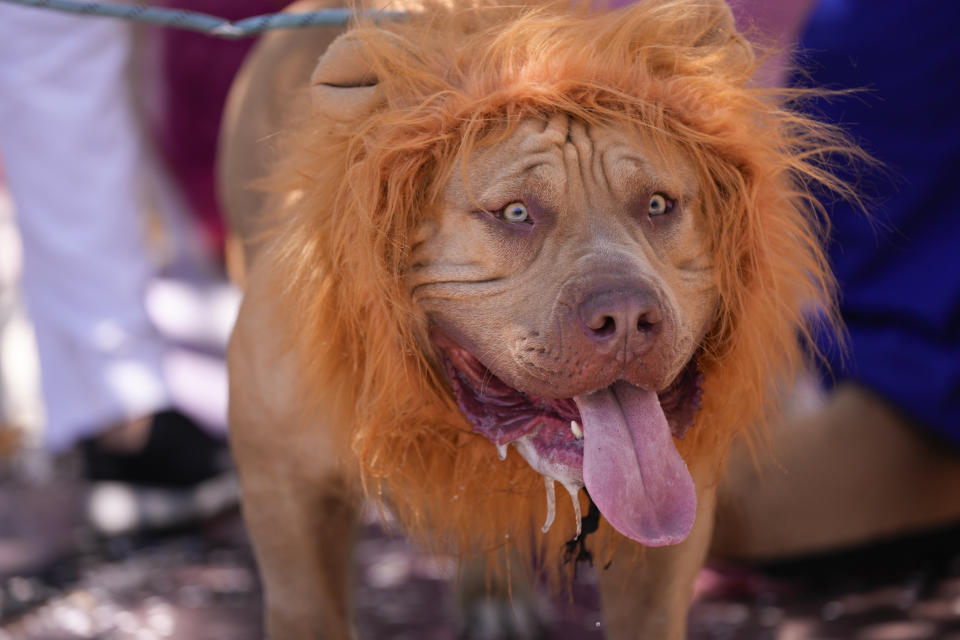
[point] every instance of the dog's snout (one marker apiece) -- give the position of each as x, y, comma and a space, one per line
620, 315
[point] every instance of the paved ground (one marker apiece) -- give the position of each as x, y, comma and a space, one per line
60, 582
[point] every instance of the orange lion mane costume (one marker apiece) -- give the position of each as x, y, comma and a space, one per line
451, 80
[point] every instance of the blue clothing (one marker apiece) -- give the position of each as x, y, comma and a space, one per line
899, 273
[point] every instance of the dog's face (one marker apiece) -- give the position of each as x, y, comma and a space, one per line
568, 284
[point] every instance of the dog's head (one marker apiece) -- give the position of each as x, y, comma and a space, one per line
580, 235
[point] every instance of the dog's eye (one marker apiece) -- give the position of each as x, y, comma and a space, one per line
659, 205
515, 212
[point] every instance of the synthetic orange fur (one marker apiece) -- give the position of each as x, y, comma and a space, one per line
678, 70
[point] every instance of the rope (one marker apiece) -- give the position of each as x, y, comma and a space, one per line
203, 22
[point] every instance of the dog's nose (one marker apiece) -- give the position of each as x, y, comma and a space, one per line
614, 316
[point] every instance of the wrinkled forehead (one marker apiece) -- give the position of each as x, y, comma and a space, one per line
559, 149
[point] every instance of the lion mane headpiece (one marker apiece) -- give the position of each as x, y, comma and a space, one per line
404, 101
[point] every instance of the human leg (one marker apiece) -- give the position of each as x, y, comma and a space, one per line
72, 153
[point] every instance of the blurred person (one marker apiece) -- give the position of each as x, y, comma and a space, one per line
74, 163
878, 453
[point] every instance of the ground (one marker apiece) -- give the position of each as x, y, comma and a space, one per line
58, 581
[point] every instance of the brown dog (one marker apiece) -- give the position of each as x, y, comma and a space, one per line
580, 236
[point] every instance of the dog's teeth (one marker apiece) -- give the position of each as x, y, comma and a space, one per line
502, 451
577, 431
551, 503
574, 490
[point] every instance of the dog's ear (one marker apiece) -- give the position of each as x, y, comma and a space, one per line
714, 19
711, 25
344, 83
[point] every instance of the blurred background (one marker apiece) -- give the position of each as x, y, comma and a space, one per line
99, 540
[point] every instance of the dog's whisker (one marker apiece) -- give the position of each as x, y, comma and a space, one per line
487, 378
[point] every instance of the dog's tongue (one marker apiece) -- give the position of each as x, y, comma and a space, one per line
631, 467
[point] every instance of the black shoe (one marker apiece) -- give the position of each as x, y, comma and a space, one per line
181, 477
178, 453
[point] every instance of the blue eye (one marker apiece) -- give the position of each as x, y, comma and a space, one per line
515, 212
659, 205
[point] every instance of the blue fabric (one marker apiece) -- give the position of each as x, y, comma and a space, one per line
899, 273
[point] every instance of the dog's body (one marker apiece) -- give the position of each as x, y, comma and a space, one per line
526, 220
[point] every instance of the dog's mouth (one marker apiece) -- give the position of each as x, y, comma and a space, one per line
616, 441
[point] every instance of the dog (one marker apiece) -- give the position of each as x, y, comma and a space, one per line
502, 248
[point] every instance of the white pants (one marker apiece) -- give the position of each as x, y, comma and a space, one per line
73, 161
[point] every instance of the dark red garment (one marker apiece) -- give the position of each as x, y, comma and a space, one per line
196, 72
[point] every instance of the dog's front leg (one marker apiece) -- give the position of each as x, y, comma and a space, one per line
303, 541
300, 516
646, 593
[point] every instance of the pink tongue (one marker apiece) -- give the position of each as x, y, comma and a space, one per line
631, 467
